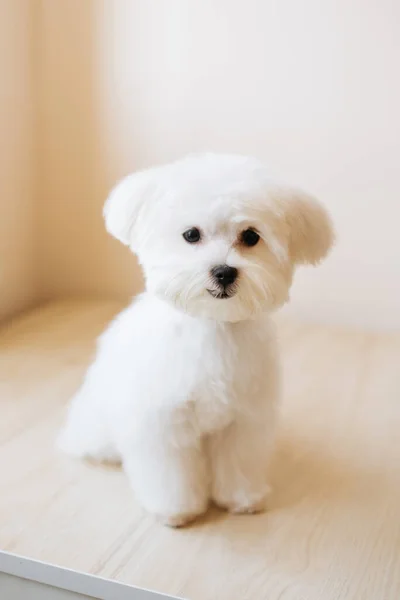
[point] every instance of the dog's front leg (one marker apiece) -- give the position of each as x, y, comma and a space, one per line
239, 457
170, 481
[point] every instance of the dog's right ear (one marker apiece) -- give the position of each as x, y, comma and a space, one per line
123, 206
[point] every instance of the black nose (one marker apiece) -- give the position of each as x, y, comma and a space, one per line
224, 274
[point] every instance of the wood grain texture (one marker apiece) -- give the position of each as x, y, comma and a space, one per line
333, 528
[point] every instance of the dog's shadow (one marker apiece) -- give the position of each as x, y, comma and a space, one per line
303, 471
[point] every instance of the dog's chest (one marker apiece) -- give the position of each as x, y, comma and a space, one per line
227, 373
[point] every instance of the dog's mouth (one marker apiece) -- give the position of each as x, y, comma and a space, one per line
222, 295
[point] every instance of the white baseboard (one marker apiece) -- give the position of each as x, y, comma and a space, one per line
23, 578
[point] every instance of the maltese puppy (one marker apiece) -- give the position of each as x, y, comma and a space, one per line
185, 385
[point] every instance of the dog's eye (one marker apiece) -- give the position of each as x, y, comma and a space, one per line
192, 235
249, 237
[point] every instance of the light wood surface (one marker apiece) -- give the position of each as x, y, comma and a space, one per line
333, 528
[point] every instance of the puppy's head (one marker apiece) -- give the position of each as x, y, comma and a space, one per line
216, 236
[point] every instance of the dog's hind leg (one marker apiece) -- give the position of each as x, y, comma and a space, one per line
85, 434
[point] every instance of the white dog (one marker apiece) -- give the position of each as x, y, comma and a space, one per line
185, 385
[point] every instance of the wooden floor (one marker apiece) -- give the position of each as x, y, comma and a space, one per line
333, 529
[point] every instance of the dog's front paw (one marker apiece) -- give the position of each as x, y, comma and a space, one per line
249, 508
179, 519
245, 503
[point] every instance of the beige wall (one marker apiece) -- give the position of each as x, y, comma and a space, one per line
311, 86
17, 157
76, 255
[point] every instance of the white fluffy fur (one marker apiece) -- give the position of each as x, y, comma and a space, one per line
185, 386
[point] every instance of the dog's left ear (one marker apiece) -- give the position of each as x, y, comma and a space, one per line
310, 228
123, 206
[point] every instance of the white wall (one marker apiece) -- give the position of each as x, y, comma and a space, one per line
17, 181
312, 87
